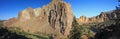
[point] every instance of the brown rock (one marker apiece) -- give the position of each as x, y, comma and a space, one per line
55, 18
96, 19
82, 19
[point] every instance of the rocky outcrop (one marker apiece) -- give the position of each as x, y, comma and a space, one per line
26, 14
100, 18
1, 22
82, 19
55, 19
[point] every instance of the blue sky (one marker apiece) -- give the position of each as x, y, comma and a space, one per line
89, 8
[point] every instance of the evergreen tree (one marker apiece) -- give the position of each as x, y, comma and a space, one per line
75, 32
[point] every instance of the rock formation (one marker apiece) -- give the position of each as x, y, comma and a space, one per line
55, 19
82, 19
1, 22
100, 18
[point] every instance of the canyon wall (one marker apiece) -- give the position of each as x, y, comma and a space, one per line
55, 19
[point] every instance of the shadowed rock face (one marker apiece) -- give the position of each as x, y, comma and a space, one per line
100, 18
55, 18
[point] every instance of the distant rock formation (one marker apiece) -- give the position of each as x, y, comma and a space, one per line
82, 19
1, 22
100, 18
55, 19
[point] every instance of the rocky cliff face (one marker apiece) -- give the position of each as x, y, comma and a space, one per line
55, 18
100, 18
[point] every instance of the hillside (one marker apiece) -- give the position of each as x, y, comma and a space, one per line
106, 29
17, 33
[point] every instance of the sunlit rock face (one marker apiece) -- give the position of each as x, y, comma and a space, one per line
55, 19
82, 19
26, 14
97, 19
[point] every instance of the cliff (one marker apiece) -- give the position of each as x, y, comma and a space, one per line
54, 19
97, 19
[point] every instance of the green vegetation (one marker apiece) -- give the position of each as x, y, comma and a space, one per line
17, 33
101, 30
75, 32
110, 29
80, 31
96, 27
